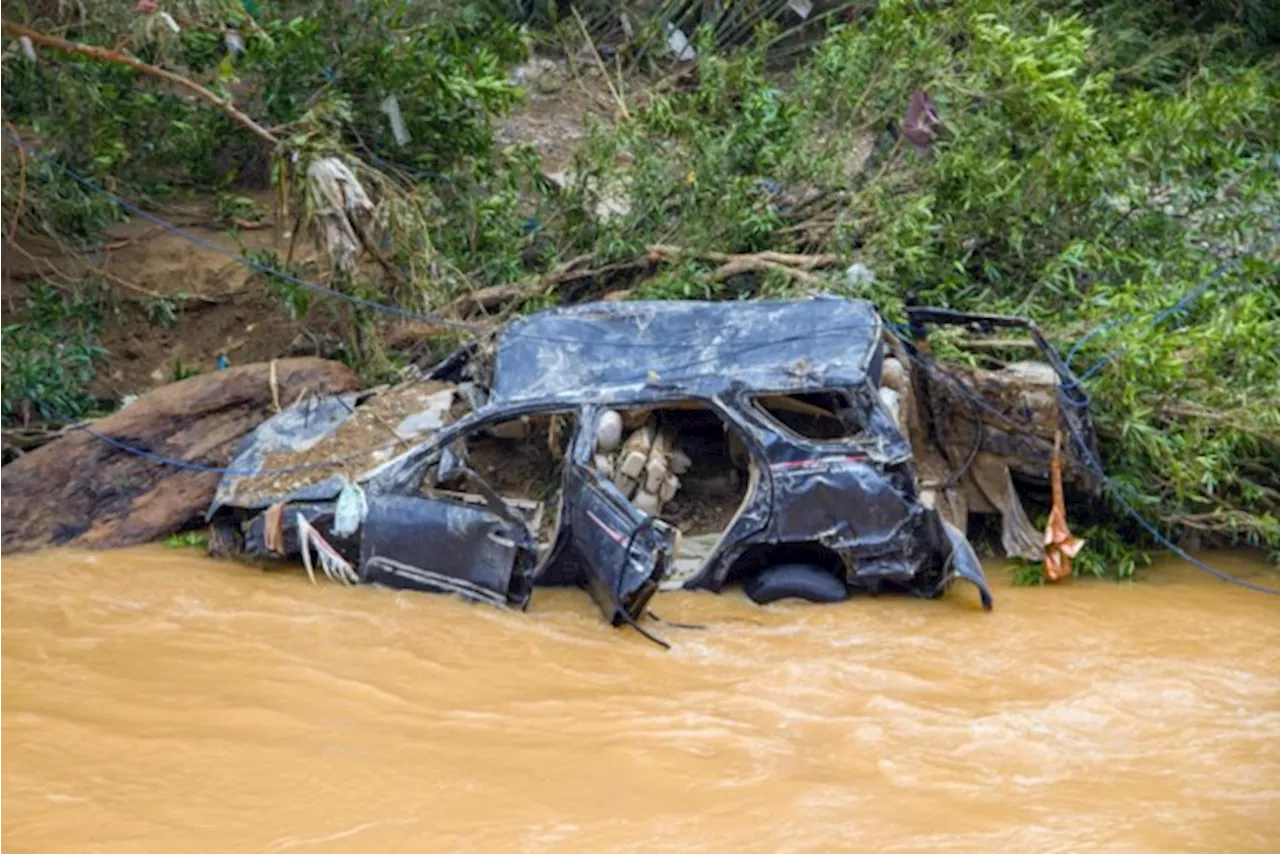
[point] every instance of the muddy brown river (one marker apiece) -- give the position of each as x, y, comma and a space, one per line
157, 701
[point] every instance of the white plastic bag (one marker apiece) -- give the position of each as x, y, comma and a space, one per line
351, 509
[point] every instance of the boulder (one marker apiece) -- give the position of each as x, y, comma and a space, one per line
83, 492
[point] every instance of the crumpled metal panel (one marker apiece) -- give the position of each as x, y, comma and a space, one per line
633, 351
306, 423
622, 553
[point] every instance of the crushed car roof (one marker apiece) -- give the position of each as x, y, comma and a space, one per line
629, 350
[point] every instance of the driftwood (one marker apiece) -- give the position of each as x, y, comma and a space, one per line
568, 277
798, 266
81, 491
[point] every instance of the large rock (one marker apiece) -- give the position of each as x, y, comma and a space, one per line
81, 491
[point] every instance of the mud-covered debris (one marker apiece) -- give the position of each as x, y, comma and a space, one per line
339, 437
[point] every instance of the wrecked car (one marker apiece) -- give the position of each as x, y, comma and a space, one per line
622, 446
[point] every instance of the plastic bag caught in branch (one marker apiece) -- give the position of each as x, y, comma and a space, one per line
234, 43
391, 107
340, 206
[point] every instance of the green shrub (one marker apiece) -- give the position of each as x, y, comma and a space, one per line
50, 357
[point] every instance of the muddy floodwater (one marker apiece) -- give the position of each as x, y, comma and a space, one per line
155, 700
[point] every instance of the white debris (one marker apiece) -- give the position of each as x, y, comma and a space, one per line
803, 8
647, 503
891, 374
680, 462
432, 416
670, 486
391, 107
604, 465
655, 473
170, 22
234, 43
679, 43
643, 470
611, 200
859, 276
28, 49
350, 511
333, 564
893, 402
626, 485
635, 452
340, 204
539, 73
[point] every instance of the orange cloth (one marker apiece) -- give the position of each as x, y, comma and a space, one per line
1060, 546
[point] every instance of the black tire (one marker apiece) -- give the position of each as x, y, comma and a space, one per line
795, 581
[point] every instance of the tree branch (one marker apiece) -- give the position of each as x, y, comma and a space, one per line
105, 55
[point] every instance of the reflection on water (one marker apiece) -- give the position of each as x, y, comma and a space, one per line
157, 701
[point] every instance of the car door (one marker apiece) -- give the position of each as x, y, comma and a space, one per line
621, 552
481, 550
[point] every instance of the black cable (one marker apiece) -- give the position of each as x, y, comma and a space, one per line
674, 625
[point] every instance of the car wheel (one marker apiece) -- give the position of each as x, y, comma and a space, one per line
795, 581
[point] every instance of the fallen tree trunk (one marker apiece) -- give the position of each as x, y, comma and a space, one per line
82, 491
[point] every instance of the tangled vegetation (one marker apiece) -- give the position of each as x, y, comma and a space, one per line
1110, 169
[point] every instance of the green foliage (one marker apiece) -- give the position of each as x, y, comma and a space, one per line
640, 30
49, 358
188, 540
295, 298
1091, 175
182, 372
443, 65
229, 209
446, 72
39, 197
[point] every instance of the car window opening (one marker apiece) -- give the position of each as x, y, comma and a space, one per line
522, 459
822, 416
682, 463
